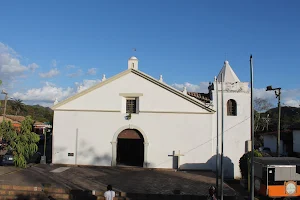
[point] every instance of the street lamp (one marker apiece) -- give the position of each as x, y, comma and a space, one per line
5, 102
43, 158
277, 94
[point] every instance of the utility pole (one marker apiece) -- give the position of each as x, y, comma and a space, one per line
252, 133
222, 139
277, 94
217, 153
279, 114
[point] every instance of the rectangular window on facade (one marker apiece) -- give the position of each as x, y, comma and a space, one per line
131, 105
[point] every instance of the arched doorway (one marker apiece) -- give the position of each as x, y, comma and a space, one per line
130, 148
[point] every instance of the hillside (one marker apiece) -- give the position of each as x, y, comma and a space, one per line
37, 112
289, 117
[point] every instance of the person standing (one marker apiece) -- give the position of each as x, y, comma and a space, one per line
109, 194
211, 193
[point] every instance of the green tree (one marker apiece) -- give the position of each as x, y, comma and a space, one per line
245, 160
18, 106
261, 119
23, 143
0, 85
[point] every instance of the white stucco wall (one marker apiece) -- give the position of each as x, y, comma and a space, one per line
236, 129
188, 133
102, 115
271, 142
296, 141
164, 118
155, 98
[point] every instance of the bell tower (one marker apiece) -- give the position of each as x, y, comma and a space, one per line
133, 63
234, 114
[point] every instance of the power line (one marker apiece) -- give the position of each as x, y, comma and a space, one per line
219, 136
185, 153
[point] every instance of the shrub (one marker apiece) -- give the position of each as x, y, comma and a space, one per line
244, 160
22, 143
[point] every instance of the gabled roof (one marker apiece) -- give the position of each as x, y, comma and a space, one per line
143, 75
229, 75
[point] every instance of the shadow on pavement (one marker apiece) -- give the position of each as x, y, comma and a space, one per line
82, 194
28, 197
74, 195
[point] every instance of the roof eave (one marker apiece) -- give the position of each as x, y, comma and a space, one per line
173, 90
90, 89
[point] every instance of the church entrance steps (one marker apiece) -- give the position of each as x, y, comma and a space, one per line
14, 192
31, 193
130, 182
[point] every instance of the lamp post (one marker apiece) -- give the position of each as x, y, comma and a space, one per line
277, 94
5, 102
43, 158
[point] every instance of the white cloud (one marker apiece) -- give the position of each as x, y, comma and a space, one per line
76, 74
11, 67
92, 71
6, 49
46, 95
49, 84
86, 84
54, 63
202, 87
289, 97
51, 73
32, 67
292, 102
70, 66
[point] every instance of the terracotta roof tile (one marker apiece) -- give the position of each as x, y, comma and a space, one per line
7, 119
15, 118
200, 96
38, 123
19, 119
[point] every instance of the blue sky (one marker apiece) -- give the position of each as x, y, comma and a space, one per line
185, 41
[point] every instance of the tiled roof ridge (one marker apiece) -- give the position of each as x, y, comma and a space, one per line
200, 96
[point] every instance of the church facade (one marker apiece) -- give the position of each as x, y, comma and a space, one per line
134, 119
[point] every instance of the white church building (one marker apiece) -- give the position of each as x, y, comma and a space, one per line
137, 120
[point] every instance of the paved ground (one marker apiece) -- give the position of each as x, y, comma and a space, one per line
7, 169
235, 184
130, 180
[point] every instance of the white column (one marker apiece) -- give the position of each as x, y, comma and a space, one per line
145, 164
114, 154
